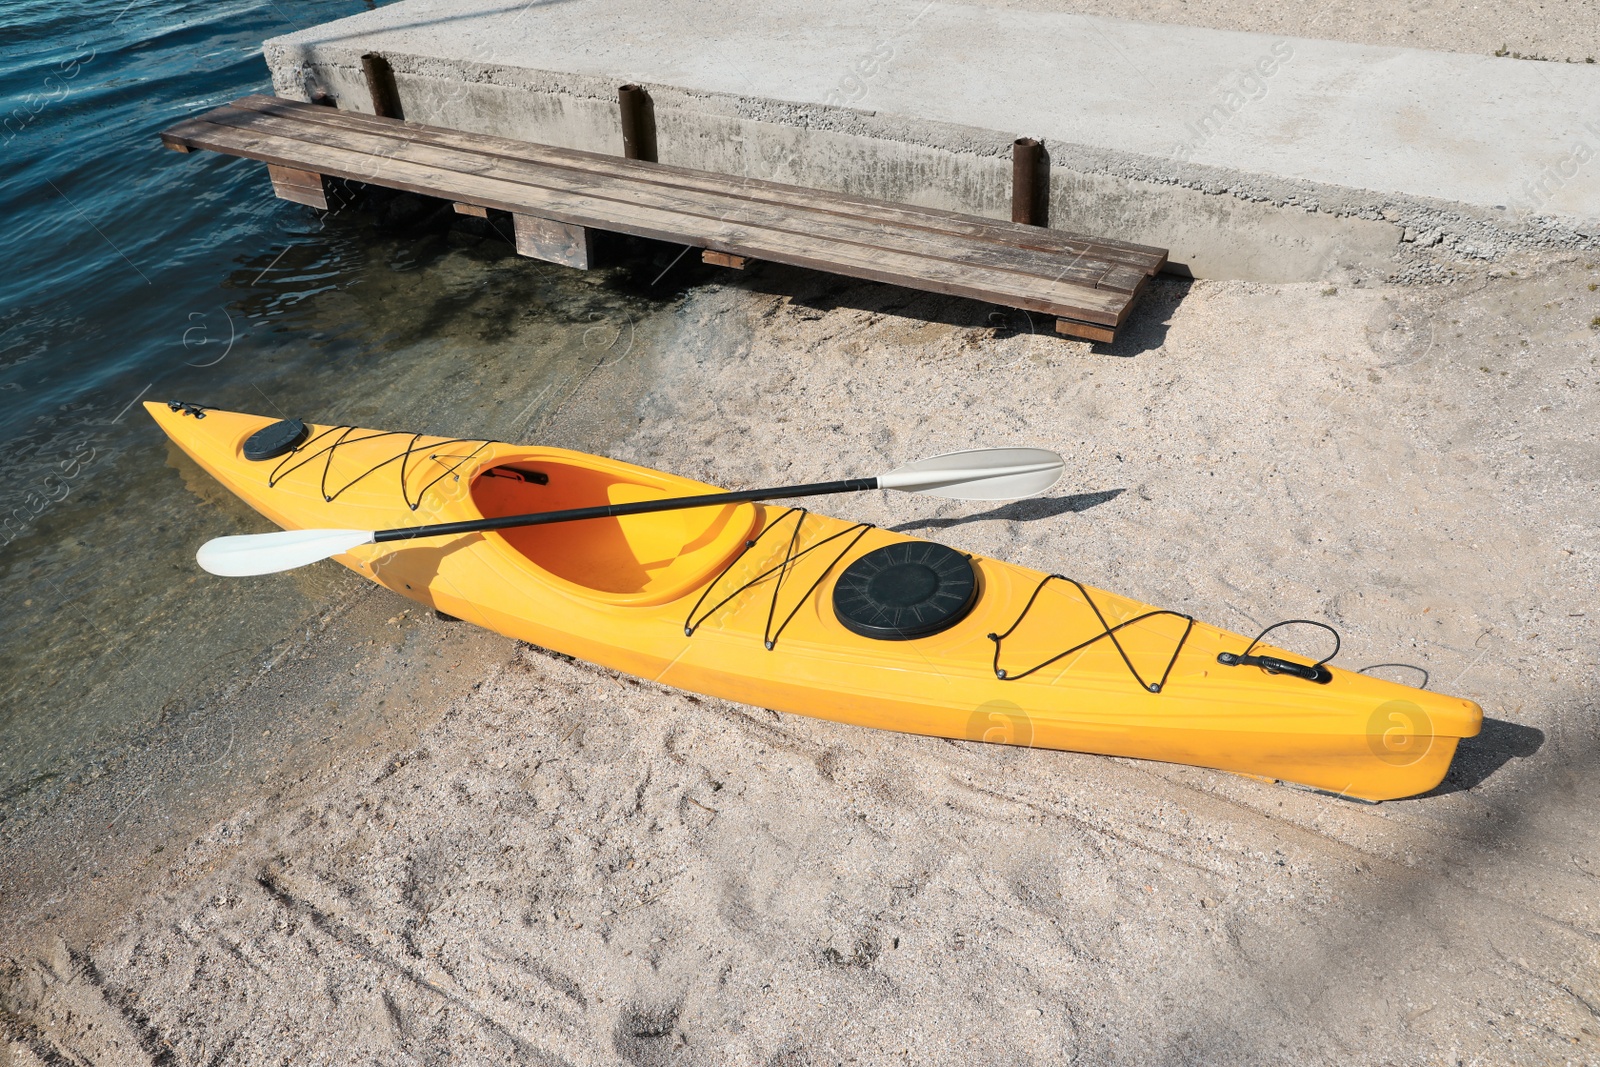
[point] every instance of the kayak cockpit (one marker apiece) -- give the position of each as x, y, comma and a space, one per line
633, 559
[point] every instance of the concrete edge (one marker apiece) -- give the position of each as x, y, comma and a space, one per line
1408, 238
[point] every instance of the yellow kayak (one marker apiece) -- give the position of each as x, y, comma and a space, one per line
783, 608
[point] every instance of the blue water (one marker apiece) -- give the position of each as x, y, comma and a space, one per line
109, 246
133, 272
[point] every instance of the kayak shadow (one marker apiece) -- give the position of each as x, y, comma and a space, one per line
411, 567
1477, 758
1018, 511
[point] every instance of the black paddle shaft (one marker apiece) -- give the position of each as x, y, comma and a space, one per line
611, 511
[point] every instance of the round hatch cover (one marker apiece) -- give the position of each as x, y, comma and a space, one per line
272, 441
905, 590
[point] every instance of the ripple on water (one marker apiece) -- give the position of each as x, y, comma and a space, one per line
135, 273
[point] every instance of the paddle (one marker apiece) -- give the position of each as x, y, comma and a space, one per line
978, 474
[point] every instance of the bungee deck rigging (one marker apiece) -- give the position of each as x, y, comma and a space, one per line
1107, 631
769, 636
341, 435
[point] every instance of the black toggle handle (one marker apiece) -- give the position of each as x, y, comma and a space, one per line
1273, 665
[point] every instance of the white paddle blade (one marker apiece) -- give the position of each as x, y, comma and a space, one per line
979, 474
268, 553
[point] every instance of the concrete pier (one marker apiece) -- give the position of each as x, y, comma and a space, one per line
1271, 159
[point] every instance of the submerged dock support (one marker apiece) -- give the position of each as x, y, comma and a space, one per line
554, 242
301, 186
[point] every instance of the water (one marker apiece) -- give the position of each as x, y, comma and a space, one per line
132, 272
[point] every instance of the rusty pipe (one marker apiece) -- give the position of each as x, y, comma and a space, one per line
380, 84
638, 123
1027, 167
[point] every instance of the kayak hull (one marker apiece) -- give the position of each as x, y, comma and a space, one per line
735, 602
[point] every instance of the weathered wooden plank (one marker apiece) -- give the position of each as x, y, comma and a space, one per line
1123, 280
867, 233
1044, 294
723, 259
553, 242
1048, 295
471, 209
688, 212
1143, 257
301, 186
562, 195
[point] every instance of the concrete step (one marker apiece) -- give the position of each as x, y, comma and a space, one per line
1273, 159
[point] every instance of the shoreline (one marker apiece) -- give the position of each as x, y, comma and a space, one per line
376, 659
159, 793
565, 862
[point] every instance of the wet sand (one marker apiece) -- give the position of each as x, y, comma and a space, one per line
508, 856
112, 636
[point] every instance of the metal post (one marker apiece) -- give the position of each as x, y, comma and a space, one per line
1028, 167
638, 123
380, 83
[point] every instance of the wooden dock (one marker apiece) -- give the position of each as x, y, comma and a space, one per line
558, 197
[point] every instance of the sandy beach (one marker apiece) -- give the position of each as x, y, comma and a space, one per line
399, 839
536, 860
